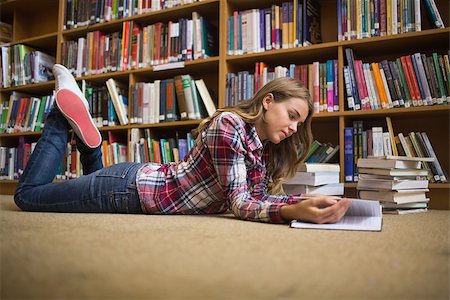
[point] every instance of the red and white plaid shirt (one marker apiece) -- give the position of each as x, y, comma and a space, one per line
226, 170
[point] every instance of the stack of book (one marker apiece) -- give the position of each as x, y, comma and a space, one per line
400, 183
315, 178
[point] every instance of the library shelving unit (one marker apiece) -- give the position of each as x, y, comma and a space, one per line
40, 24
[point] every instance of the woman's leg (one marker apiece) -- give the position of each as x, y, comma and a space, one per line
111, 189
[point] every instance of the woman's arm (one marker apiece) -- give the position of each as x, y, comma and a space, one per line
317, 209
225, 140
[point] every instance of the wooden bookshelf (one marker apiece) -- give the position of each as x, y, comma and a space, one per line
40, 24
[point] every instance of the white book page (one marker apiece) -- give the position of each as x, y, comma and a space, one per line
363, 215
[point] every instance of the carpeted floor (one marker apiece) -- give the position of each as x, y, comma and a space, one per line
105, 256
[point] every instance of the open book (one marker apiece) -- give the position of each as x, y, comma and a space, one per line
365, 215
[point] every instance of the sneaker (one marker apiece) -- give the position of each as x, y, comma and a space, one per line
74, 106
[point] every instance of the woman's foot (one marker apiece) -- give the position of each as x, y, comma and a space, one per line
74, 106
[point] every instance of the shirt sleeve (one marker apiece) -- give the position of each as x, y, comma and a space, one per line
225, 139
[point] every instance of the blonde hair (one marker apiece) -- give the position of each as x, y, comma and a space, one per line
285, 157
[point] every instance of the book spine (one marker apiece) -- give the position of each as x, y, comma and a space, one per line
436, 163
348, 154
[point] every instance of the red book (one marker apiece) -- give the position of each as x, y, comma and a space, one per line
413, 77
304, 75
20, 113
170, 101
157, 151
125, 43
364, 94
102, 54
297, 70
146, 154
157, 43
257, 76
408, 80
136, 31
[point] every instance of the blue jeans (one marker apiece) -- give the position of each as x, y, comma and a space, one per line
111, 189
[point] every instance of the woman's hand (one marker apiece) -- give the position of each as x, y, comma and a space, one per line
317, 208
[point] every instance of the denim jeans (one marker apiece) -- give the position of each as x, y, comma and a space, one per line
111, 189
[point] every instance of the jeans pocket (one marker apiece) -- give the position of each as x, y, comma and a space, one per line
125, 202
119, 201
116, 171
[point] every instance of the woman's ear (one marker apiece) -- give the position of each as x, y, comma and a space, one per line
267, 100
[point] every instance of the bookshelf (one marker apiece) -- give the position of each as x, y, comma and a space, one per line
40, 24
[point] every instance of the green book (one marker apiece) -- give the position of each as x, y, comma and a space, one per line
5, 109
403, 80
437, 69
40, 116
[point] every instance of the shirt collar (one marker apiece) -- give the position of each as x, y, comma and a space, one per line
254, 143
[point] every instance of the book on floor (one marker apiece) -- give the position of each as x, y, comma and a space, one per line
364, 215
314, 178
381, 184
318, 167
335, 189
399, 197
394, 172
388, 163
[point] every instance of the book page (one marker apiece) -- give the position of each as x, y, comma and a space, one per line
363, 215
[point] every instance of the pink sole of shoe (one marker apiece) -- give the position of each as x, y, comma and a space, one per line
74, 109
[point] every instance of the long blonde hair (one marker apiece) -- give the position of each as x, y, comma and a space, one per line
285, 157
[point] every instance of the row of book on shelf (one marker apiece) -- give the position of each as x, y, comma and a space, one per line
115, 149
168, 100
144, 148
140, 46
399, 183
24, 113
359, 19
21, 64
321, 79
297, 23
410, 80
375, 142
180, 98
291, 24
84, 13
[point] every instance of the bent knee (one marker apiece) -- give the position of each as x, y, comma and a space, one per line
20, 200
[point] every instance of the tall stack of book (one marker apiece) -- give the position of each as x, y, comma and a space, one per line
315, 178
400, 183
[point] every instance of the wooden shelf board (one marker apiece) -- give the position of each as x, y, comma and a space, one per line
199, 66
299, 54
17, 134
40, 87
168, 124
421, 110
47, 40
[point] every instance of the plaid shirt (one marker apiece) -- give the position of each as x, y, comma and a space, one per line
226, 170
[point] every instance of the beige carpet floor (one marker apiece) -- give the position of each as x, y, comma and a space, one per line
106, 256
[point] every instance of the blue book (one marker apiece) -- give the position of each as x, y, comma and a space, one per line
311, 22
352, 77
230, 43
348, 154
182, 148
262, 30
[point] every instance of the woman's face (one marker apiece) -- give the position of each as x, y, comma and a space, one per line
281, 118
